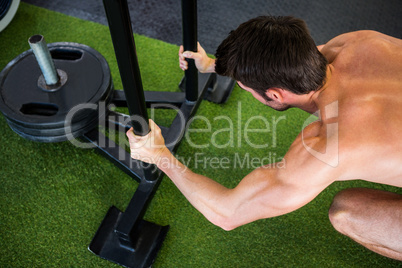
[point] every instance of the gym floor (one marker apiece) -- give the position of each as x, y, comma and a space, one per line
162, 19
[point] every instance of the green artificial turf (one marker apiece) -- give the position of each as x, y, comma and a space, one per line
54, 196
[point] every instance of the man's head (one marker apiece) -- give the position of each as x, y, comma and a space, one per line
272, 52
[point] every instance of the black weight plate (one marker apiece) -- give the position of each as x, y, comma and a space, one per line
77, 127
56, 135
87, 82
48, 132
34, 111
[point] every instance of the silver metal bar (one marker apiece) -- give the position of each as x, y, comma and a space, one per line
45, 61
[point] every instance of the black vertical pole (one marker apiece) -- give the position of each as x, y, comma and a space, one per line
189, 17
124, 46
123, 41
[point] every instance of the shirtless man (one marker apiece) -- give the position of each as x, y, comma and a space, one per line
354, 83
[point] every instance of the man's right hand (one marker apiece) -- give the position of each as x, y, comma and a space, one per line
203, 63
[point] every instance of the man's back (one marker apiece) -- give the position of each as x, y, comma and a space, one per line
366, 80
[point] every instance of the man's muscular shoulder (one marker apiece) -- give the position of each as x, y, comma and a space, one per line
355, 37
363, 41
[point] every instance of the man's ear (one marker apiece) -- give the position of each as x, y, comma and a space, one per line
276, 94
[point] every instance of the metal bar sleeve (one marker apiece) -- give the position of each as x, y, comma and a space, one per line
45, 61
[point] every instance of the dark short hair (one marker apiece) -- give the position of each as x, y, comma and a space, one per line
268, 51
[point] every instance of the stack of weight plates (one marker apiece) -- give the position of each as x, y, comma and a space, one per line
70, 111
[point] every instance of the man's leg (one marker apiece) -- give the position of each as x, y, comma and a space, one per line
371, 217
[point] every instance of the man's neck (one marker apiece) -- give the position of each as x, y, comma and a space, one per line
309, 102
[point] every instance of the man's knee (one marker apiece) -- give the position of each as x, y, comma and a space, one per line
345, 205
370, 217
351, 205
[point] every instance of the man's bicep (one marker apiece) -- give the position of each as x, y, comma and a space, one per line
273, 191
279, 189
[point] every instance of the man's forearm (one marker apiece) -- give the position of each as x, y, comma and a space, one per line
206, 195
